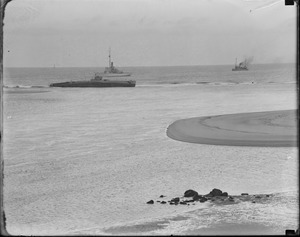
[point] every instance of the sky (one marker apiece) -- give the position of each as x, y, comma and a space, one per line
79, 33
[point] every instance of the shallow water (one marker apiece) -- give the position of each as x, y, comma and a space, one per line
81, 160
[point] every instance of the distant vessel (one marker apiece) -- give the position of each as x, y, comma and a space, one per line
242, 66
112, 71
97, 81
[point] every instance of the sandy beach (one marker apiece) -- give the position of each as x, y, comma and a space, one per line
271, 128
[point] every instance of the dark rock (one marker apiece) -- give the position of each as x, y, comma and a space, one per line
258, 197
253, 201
163, 202
190, 193
208, 195
182, 203
172, 203
197, 197
216, 192
203, 199
192, 200
150, 202
177, 199
161, 196
267, 195
225, 194
220, 197
230, 197
158, 201
244, 194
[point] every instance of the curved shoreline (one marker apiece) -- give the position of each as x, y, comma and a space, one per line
264, 129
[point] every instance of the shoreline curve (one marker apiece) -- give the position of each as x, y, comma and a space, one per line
263, 129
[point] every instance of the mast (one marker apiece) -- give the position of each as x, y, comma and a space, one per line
109, 60
235, 61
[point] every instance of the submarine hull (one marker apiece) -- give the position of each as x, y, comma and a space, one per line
95, 84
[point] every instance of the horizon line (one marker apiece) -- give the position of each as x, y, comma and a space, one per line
143, 66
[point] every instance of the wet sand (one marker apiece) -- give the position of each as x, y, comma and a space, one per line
237, 229
219, 229
264, 129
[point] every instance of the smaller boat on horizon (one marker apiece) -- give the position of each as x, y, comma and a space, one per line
97, 81
112, 71
242, 66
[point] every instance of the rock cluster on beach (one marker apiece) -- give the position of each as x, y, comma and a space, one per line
215, 196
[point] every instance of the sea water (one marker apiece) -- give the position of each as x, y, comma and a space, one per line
86, 160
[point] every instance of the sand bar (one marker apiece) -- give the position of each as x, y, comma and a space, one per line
271, 128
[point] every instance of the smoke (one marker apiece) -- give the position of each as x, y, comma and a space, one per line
247, 61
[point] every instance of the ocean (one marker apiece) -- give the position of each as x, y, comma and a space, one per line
86, 160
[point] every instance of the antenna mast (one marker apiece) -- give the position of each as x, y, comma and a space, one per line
109, 62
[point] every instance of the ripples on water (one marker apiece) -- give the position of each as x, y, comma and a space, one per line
78, 160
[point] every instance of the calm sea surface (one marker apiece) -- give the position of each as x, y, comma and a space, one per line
268, 73
81, 160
